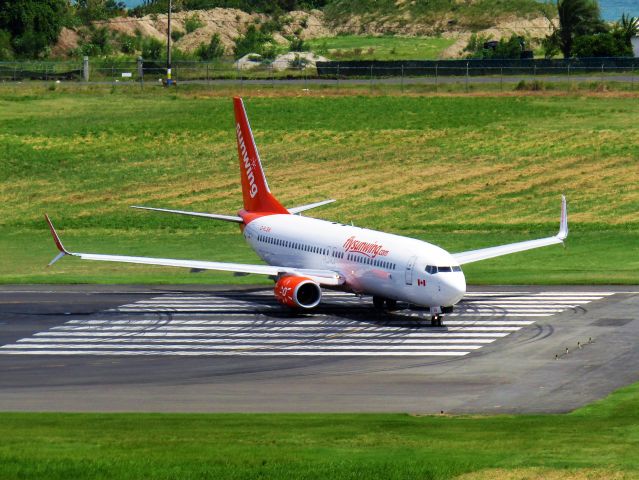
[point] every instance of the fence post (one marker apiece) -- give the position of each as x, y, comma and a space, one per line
467, 73
85, 68
141, 70
371, 85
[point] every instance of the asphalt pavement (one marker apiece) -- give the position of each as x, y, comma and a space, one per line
234, 349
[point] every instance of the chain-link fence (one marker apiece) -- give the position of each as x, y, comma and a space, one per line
328, 73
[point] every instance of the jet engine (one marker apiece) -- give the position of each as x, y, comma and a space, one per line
298, 292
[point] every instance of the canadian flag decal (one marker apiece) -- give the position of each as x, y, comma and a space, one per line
421, 283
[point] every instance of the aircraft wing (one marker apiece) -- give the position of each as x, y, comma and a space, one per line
492, 252
322, 277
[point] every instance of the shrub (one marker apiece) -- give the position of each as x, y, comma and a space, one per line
607, 44
152, 49
298, 63
297, 45
534, 86
510, 48
128, 44
213, 50
6, 51
192, 23
176, 35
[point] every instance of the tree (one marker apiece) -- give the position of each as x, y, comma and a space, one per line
628, 27
91, 10
577, 17
34, 25
254, 41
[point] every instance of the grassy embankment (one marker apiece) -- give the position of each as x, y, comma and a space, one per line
463, 172
597, 441
442, 14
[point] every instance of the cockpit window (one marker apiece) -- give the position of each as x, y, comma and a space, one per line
432, 269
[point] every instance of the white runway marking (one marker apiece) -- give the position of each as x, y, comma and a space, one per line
253, 324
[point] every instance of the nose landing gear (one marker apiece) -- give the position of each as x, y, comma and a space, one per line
437, 317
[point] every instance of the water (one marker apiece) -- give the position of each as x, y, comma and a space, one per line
611, 10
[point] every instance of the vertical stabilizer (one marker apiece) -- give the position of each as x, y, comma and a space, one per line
257, 196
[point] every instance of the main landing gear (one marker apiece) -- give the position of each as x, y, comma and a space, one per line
436, 320
380, 302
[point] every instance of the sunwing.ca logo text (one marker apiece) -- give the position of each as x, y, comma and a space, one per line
247, 162
371, 250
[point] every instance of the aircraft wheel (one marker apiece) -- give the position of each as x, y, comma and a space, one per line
436, 321
391, 304
378, 302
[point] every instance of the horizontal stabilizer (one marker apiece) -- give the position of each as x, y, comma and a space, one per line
214, 216
303, 208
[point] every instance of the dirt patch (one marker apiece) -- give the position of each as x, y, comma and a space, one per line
545, 474
67, 41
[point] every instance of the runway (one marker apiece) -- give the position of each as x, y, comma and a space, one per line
123, 348
253, 324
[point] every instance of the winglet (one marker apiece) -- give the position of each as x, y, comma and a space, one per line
57, 241
563, 225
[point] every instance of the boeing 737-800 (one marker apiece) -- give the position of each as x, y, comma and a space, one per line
304, 254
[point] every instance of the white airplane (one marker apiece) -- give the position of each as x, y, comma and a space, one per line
304, 254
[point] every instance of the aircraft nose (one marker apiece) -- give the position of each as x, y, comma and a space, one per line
454, 287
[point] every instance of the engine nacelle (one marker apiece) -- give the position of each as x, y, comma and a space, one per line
298, 292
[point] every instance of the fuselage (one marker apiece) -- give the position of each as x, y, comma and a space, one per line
370, 262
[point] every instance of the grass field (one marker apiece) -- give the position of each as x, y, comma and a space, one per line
356, 47
596, 442
464, 172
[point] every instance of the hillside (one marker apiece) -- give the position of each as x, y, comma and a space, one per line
449, 19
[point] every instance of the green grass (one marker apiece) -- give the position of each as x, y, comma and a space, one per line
598, 441
356, 47
463, 172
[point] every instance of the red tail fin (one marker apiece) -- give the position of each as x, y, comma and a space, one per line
257, 196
